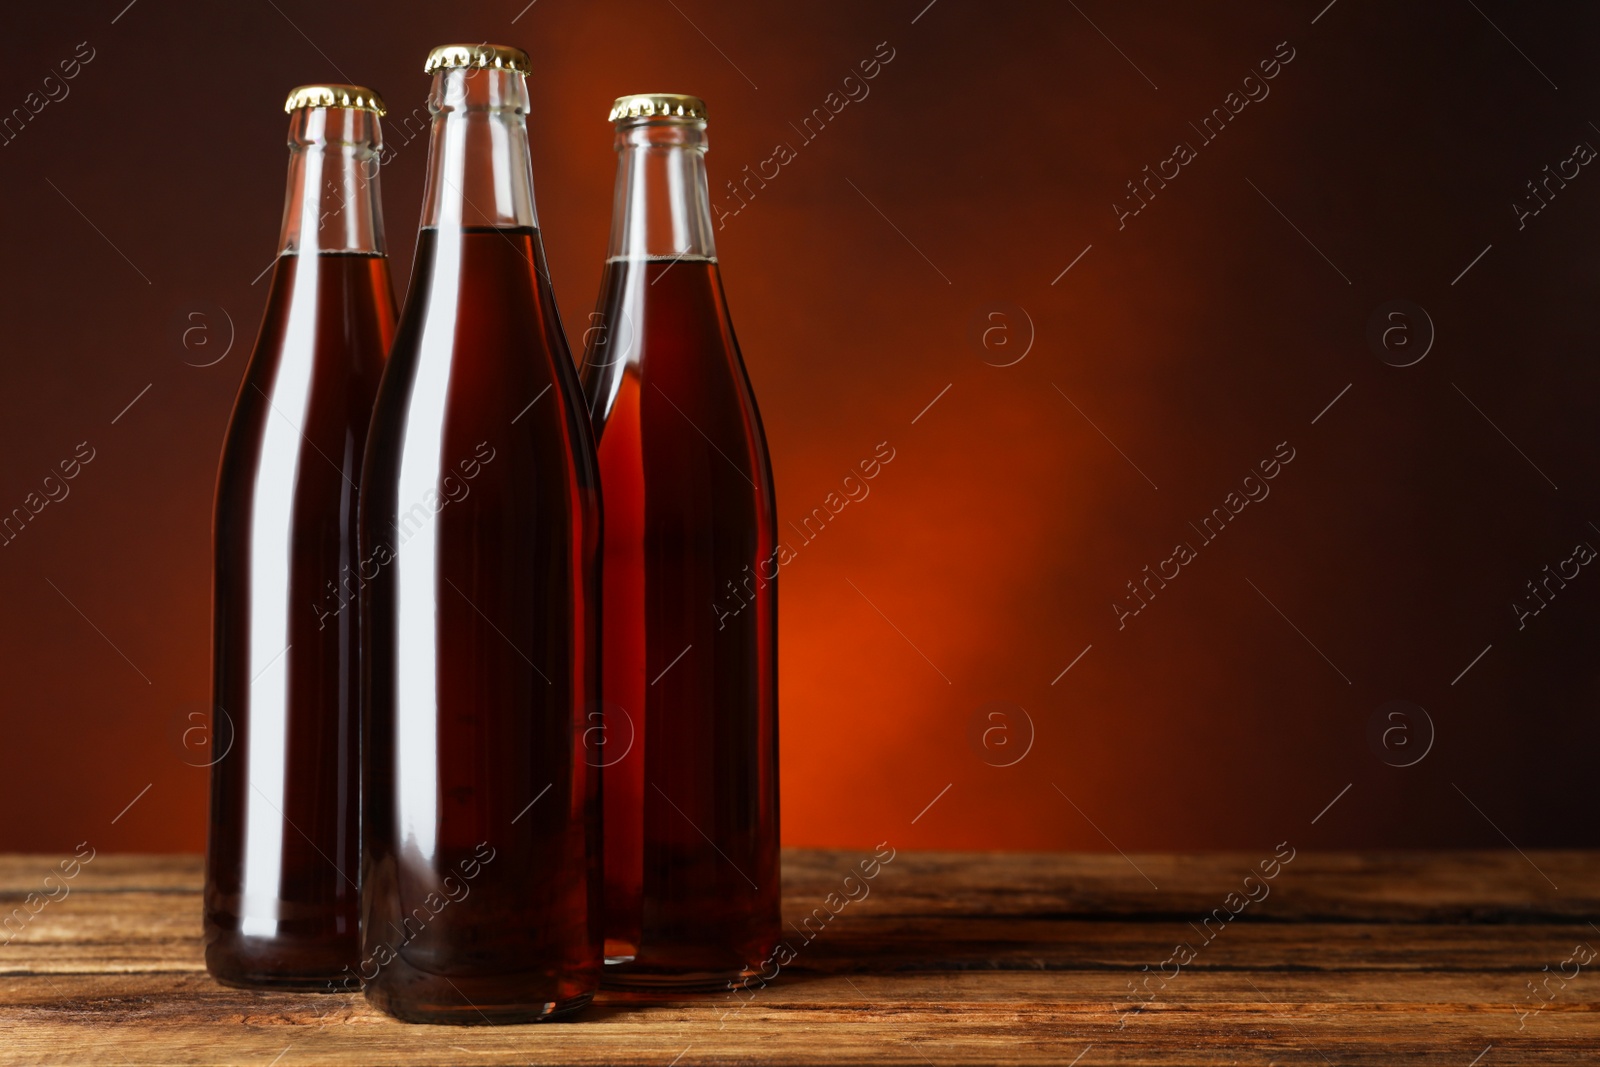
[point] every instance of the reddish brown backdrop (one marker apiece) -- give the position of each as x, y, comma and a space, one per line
1180, 349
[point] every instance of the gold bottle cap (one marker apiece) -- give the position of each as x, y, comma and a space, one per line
352, 96
658, 106
496, 56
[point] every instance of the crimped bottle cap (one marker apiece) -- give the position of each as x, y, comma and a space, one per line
658, 106
495, 56
358, 97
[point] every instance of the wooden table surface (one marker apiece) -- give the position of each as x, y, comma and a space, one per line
1477, 959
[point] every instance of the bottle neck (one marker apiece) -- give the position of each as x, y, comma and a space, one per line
333, 203
662, 206
479, 170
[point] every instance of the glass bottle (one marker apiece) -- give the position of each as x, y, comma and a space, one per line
282, 863
481, 516
689, 582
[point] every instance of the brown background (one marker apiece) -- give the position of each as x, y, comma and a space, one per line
987, 557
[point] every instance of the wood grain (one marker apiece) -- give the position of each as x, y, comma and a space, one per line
950, 959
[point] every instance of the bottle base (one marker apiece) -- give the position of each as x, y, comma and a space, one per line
279, 983
467, 1014
626, 977
258, 963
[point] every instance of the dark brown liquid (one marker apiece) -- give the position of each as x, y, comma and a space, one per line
281, 898
690, 613
480, 517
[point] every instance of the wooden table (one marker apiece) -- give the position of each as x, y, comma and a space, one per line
974, 958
